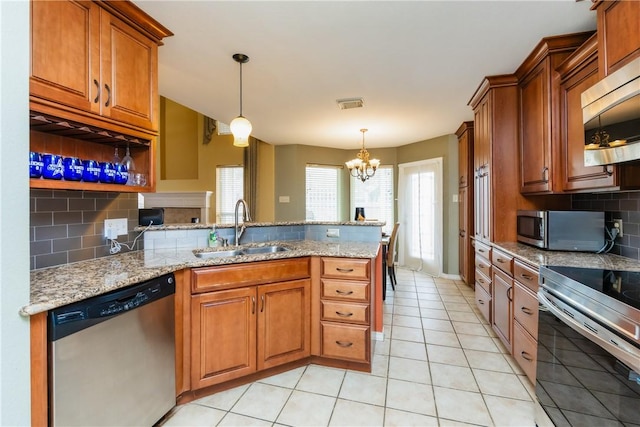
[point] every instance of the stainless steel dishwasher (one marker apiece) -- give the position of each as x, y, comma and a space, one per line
112, 357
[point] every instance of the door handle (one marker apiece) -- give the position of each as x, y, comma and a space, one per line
95, 101
253, 305
545, 171
344, 270
261, 303
106, 86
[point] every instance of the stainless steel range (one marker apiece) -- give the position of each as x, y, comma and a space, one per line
588, 347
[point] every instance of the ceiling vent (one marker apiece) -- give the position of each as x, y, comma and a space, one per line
348, 103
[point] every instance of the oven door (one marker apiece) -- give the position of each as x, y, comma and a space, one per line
579, 382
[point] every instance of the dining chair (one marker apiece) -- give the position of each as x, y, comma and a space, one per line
391, 255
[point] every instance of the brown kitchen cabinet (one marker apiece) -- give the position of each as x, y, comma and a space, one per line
345, 314
539, 115
465, 201
502, 296
244, 319
483, 285
525, 318
94, 84
618, 35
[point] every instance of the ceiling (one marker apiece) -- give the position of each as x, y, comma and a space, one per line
416, 64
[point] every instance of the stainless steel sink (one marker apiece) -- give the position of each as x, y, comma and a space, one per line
264, 250
219, 254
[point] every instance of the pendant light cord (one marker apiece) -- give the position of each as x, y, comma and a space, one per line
241, 89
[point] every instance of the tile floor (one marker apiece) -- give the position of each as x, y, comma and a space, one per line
439, 365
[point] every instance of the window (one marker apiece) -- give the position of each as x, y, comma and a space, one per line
322, 193
229, 188
375, 196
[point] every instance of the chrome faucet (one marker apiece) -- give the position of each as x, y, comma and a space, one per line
246, 217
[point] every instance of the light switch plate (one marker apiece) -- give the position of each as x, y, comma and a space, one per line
333, 232
115, 227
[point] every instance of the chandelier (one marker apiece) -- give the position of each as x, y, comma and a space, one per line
240, 126
361, 167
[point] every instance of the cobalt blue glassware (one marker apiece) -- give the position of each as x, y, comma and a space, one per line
35, 164
73, 168
121, 174
91, 171
52, 166
107, 172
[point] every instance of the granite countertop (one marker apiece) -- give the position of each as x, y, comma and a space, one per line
197, 226
57, 286
538, 257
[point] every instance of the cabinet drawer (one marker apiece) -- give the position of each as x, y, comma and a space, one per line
255, 273
341, 312
483, 281
483, 265
525, 308
525, 351
483, 301
345, 290
349, 342
503, 261
346, 268
526, 275
482, 250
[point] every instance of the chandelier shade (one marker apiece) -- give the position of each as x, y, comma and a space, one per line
240, 126
362, 167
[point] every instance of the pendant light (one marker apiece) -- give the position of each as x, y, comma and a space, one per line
361, 167
240, 126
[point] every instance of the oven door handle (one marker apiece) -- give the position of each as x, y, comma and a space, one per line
618, 351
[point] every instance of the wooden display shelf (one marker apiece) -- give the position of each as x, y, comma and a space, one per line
54, 184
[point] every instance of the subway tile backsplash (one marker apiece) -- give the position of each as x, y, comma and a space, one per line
620, 205
67, 226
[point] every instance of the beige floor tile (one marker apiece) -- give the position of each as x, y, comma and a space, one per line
396, 418
405, 294
382, 347
262, 401
408, 321
448, 355
409, 370
194, 415
426, 289
452, 423
475, 342
351, 414
470, 328
500, 346
307, 409
429, 297
408, 349
450, 376
449, 339
406, 311
407, 334
409, 396
387, 318
510, 412
457, 306
223, 400
488, 361
432, 313
449, 292
380, 365
437, 325
462, 316
363, 388
405, 302
453, 298
425, 305
237, 420
287, 379
514, 365
488, 328
462, 406
500, 384
322, 380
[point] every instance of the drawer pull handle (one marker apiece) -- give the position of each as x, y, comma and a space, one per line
526, 356
106, 86
509, 294
526, 310
481, 250
480, 302
526, 276
344, 270
481, 280
342, 314
501, 260
253, 305
261, 303
339, 292
95, 82
344, 344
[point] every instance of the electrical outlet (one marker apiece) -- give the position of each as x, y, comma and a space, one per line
333, 232
617, 223
115, 227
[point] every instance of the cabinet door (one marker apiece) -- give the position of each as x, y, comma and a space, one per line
618, 35
284, 326
463, 239
502, 307
129, 74
65, 36
223, 336
535, 123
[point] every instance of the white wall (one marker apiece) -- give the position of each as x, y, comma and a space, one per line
14, 212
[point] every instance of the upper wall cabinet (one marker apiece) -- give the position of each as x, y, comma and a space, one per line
94, 85
618, 34
539, 130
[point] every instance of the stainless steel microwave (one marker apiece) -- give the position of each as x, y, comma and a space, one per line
611, 117
562, 230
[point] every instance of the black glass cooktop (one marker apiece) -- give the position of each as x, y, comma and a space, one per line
621, 285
